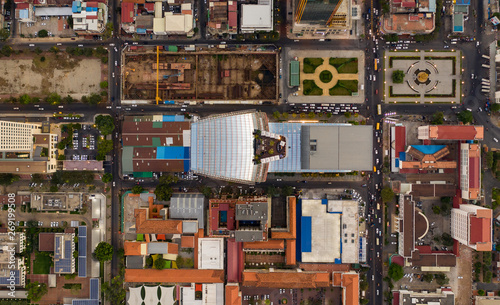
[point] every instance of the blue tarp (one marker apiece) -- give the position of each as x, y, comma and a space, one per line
324, 201
172, 152
397, 163
305, 243
141, 31
402, 156
76, 7
173, 118
428, 149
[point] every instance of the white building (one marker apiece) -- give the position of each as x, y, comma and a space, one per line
471, 225
89, 16
257, 17
174, 24
211, 253
25, 149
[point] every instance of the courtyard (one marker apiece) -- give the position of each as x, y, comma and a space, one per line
329, 77
422, 77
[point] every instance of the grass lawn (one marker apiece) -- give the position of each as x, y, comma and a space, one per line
344, 87
310, 64
325, 76
345, 65
42, 263
310, 88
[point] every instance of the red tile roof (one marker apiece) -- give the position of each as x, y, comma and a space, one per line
456, 132
280, 279
155, 226
235, 261
233, 295
174, 276
292, 230
290, 253
46, 242
187, 241
480, 230
350, 283
127, 12
132, 248
149, 6
272, 244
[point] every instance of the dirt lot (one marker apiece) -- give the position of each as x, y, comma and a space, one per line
201, 76
26, 74
257, 296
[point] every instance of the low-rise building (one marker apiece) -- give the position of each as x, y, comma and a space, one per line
12, 268
64, 246
89, 16
442, 296
257, 17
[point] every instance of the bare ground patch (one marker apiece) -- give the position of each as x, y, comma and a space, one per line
59, 73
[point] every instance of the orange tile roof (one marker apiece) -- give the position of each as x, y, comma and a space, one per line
132, 248
173, 248
152, 226
233, 296
290, 253
350, 283
337, 279
292, 232
174, 276
187, 241
280, 279
272, 244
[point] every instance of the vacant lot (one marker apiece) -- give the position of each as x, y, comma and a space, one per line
42, 74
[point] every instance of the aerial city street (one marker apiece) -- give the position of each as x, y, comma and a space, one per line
211, 152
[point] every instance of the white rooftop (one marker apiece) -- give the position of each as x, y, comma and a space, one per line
211, 253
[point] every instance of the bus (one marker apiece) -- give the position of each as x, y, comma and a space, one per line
375, 64
378, 126
379, 109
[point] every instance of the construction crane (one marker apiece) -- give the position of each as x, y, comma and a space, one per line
157, 74
300, 10
171, 75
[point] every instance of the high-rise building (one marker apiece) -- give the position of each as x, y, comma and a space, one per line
472, 225
26, 149
322, 16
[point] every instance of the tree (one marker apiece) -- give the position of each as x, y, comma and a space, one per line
387, 194
103, 148
137, 189
36, 291
8, 179
481, 292
70, 22
437, 118
347, 114
159, 263
37, 178
103, 252
114, 290
107, 177
436, 209
25, 99
105, 124
495, 107
395, 272
54, 50
6, 50
4, 34
398, 76
169, 179
103, 84
287, 190
312, 115
43, 33
53, 188
428, 277
68, 100
441, 279
465, 117
276, 115
447, 240
163, 192
53, 98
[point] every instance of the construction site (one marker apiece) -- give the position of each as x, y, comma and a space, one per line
168, 77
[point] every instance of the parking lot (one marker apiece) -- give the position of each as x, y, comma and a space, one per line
270, 296
84, 144
56, 26
325, 108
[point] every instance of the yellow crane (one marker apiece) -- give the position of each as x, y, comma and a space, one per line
157, 73
300, 10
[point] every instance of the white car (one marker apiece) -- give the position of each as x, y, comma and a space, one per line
495, 139
32, 45
80, 45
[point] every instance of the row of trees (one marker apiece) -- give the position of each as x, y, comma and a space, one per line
465, 117
55, 99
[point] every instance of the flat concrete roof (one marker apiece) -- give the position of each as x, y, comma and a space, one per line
337, 147
211, 253
325, 232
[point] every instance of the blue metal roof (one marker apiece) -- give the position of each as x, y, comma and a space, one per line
82, 266
85, 302
173, 118
94, 289
172, 153
291, 163
82, 246
306, 232
82, 231
6, 280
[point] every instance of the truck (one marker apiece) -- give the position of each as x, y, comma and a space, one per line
169, 102
485, 56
